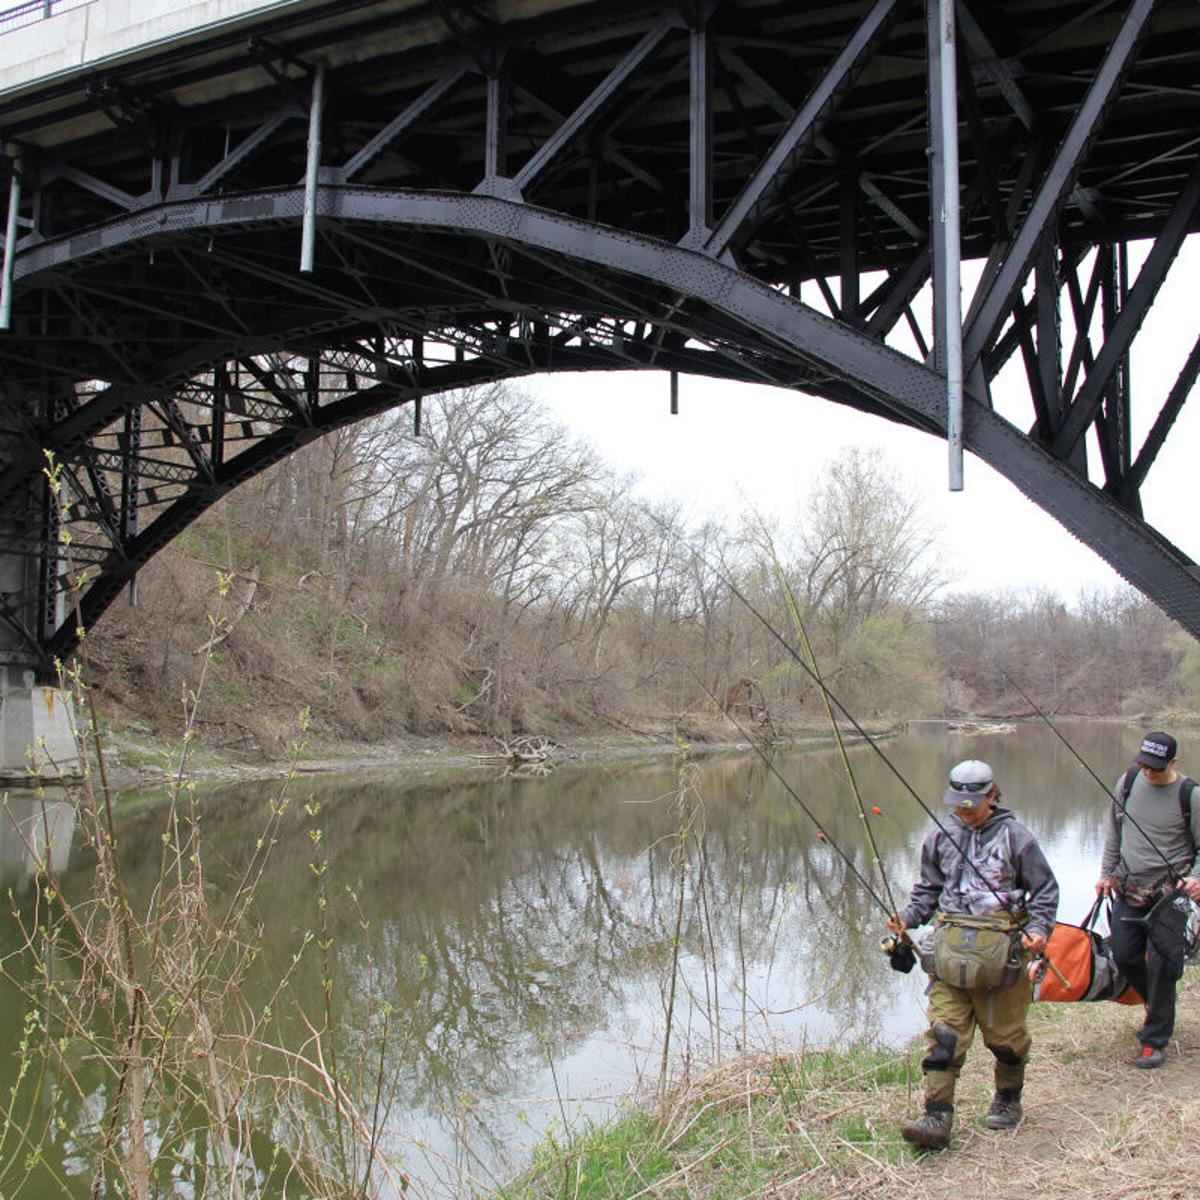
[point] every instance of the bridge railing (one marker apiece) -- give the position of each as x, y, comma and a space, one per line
19, 15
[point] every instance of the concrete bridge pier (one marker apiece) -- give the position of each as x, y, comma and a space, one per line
36, 730
36, 738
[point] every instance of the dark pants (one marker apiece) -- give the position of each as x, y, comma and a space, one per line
1150, 956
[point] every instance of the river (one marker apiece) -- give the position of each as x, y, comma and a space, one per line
523, 929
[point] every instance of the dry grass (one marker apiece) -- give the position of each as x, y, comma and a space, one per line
759, 1125
825, 1124
1095, 1125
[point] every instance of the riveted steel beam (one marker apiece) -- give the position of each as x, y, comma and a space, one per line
984, 324
1133, 312
757, 314
589, 109
772, 175
1156, 438
631, 130
403, 121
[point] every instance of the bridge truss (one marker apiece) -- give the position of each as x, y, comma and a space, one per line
220, 252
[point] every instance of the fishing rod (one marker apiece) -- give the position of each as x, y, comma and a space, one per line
1109, 792
1001, 899
898, 947
794, 613
822, 832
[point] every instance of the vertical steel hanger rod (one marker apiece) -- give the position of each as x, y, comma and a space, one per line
947, 282
10, 242
309, 233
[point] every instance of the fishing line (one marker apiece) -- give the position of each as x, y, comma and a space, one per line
1001, 899
1111, 793
794, 613
808, 812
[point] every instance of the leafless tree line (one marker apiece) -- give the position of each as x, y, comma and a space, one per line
1109, 653
493, 575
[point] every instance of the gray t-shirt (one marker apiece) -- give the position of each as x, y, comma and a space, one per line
1151, 831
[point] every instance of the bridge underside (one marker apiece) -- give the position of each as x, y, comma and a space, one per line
222, 254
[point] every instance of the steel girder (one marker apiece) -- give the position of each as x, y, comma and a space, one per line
488, 194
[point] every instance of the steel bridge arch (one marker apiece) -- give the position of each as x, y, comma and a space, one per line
802, 347
494, 190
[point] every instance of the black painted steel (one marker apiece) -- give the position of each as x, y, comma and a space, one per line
513, 188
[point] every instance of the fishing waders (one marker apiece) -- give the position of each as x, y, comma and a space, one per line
1000, 1013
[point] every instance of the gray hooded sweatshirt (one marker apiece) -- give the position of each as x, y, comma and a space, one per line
1005, 869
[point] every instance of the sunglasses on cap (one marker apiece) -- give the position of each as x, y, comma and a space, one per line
973, 789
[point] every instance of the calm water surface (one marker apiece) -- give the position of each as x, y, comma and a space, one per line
523, 928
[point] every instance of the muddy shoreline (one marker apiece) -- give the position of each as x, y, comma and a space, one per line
136, 761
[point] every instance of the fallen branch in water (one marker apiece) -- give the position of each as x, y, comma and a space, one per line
523, 751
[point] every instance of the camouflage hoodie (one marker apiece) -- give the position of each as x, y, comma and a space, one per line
1005, 868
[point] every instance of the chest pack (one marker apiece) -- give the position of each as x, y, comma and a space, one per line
1186, 787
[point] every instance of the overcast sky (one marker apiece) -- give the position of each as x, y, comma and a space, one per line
770, 445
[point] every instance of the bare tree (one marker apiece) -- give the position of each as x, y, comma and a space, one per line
613, 553
867, 545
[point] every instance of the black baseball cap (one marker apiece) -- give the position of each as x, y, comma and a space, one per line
1158, 749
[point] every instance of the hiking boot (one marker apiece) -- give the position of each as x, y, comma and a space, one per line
931, 1130
1006, 1111
1150, 1057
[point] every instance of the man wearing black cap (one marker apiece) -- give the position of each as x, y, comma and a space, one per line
1151, 868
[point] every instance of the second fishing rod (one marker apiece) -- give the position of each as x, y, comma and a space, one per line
899, 950
1120, 802
833, 699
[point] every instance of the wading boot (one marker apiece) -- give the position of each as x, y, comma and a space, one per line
1006, 1111
931, 1130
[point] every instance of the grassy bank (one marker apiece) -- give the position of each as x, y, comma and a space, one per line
824, 1123
754, 1123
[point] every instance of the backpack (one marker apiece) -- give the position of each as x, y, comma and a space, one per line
1186, 788
1191, 934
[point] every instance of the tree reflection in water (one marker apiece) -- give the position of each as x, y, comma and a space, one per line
513, 924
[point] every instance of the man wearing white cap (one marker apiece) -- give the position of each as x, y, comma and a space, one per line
1151, 868
993, 899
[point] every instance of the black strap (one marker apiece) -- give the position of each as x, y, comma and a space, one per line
1186, 787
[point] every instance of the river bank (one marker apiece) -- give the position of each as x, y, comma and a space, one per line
824, 1124
136, 758
537, 922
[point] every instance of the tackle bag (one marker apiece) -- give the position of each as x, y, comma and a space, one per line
1080, 966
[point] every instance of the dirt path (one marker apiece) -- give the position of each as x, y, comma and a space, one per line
1096, 1126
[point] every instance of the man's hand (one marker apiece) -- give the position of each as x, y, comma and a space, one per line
896, 925
1191, 886
1035, 943
1106, 886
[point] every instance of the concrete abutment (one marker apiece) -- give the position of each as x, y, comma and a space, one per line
37, 737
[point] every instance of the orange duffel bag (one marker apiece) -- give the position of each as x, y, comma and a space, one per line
1078, 965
